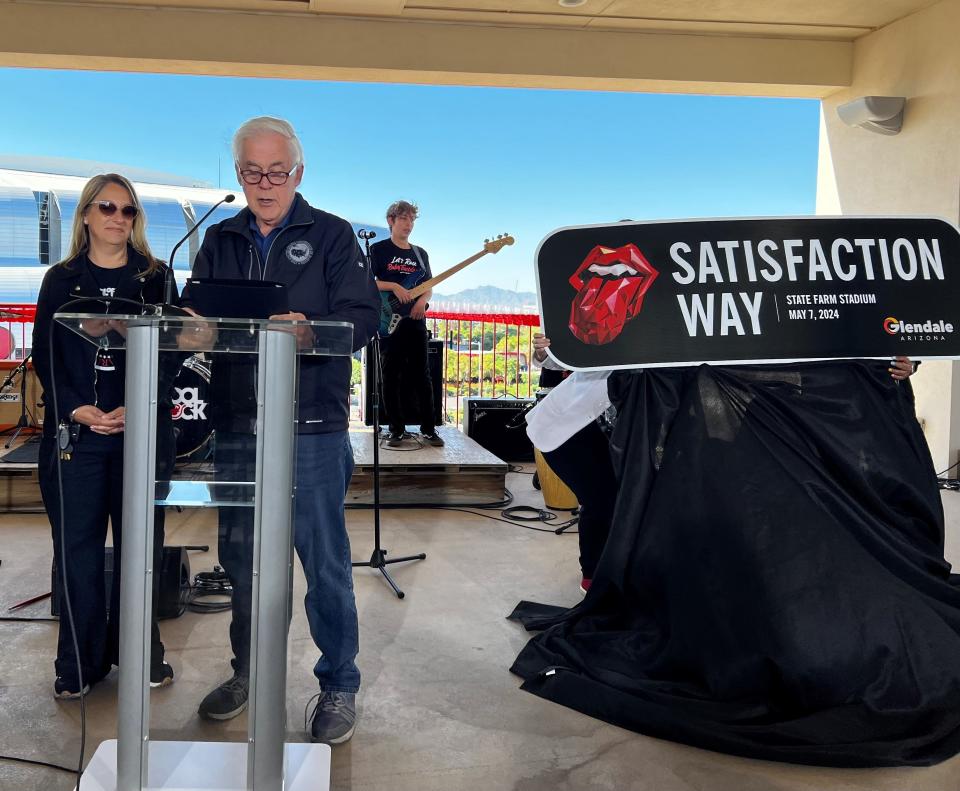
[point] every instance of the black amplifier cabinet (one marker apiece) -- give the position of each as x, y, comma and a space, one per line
497, 424
174, 582
411, 411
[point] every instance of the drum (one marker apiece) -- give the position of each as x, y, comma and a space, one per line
192, 422
556, 494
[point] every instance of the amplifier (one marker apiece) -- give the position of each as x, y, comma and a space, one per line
408, 399
497, 424
174, 582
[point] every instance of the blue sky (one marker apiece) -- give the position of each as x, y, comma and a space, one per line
478, 161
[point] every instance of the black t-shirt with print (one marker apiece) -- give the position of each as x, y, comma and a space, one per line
109, 369
396, 265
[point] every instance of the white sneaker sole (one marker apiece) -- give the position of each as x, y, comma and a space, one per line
223, 717
339, 740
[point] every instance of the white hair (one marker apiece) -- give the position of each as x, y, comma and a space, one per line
266, 124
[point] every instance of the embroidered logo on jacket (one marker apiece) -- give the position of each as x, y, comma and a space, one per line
299, 252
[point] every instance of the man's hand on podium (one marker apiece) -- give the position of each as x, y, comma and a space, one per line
303, 332
196, 336
96, 328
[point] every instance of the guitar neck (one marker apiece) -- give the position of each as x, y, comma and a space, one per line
428, 284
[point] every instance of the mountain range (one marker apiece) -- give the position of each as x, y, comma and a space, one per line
488, 295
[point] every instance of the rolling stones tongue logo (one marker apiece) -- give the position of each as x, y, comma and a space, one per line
610, 286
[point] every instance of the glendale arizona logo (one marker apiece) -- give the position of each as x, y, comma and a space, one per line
928, 330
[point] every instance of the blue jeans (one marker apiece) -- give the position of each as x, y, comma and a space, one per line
324, 467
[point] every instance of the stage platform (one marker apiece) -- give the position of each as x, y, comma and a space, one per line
460, 473
415, 473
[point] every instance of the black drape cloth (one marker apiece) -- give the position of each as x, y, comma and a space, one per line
774, 583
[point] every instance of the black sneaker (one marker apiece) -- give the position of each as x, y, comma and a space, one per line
433, 438
226, 701
395, 438
161, 675
67, 690
334, 718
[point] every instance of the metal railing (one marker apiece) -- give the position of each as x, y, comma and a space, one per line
16, 330
486, 355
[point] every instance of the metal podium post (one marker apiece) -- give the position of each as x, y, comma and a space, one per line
136, 569
272, 560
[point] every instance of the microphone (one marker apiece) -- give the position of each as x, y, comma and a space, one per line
366, 235
170, 280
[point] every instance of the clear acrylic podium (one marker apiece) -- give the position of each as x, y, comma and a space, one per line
155, 347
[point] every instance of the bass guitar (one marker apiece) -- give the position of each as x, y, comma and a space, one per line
392, 309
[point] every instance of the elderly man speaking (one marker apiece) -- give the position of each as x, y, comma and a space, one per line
279, 237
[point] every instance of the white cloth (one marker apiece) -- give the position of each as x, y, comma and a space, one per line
574, 403
548, 362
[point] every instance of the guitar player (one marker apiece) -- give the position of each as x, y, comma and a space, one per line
398, 267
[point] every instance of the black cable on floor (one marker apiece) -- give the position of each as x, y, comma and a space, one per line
211, 583
527, 513
72, 770
498, 519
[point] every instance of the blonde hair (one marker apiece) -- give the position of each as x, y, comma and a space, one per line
266, 124
80, 235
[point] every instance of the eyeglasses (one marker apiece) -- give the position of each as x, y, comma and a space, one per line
108, 208
276, 177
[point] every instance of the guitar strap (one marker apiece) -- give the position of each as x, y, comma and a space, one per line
416, 252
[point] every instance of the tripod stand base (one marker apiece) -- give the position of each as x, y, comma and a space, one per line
378, 560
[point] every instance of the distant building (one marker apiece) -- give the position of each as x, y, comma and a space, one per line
38, 199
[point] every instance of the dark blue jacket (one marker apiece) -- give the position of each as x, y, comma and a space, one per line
73, 356
316, 256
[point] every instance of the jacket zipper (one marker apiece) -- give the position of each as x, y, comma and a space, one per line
263, 265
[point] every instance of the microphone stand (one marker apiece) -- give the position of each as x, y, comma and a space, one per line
170, 279
23, 422
378, 559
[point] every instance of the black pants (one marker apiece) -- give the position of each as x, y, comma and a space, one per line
583, 463
236, 460
92, 498
405, 368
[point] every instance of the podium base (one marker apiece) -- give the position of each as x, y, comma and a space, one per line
208, 766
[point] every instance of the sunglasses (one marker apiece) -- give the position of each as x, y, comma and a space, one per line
108, 208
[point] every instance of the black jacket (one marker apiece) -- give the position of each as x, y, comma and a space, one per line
73, 356
316, 256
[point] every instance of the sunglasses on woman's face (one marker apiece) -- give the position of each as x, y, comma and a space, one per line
108, 208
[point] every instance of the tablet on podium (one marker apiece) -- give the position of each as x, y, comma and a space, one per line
238, 299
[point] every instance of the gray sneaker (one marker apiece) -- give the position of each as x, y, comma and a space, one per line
226, 701
334, 718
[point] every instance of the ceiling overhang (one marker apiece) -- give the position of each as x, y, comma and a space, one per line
301, 45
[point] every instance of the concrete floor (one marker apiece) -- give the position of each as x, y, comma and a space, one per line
438, 709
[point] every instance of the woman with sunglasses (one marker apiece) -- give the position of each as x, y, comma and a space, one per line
81, 452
